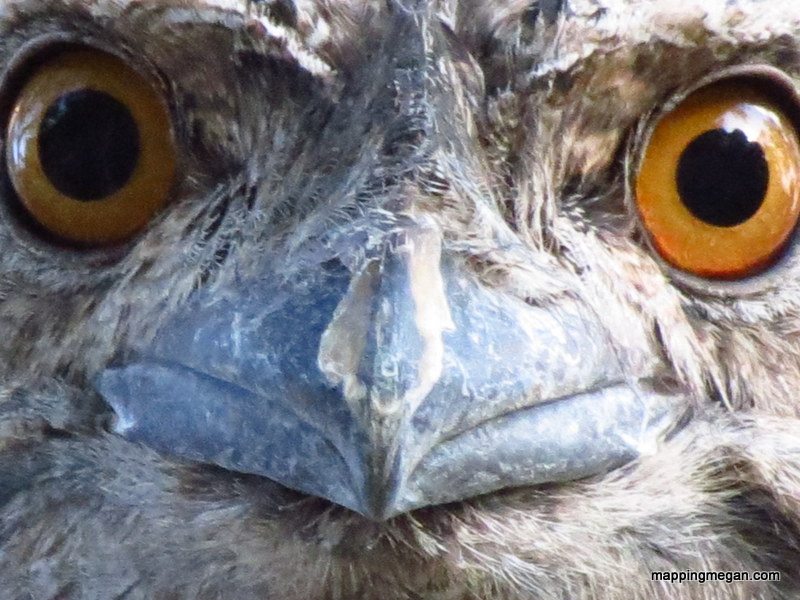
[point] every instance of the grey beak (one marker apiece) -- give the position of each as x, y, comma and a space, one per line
403, 383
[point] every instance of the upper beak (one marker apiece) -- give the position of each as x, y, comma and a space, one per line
402, 383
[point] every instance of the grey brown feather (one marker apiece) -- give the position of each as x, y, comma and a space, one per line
333, 132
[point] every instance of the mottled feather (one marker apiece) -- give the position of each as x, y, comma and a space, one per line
295, 122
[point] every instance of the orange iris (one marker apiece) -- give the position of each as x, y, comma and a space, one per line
718, 188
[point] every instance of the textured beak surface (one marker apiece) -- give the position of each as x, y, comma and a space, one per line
401, 383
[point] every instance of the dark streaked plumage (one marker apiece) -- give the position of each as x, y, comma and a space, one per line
509, 133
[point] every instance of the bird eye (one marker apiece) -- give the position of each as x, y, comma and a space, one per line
718, 186
89, 148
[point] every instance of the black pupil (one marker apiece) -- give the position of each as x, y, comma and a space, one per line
722, 177
88, 144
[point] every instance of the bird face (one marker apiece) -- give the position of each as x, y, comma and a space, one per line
366, 362
361, 319
398, 256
